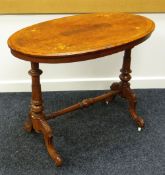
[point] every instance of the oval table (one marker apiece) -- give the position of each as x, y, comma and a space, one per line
73, 39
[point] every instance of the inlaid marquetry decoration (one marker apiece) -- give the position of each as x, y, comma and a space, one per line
80, 6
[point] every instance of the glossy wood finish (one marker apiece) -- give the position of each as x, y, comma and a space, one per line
124, 88
77, 38
74, 39
37, 117
83, 104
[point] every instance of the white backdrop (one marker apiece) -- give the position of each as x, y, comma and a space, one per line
148, 62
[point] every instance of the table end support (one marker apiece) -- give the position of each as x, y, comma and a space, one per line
36, 119
124, 88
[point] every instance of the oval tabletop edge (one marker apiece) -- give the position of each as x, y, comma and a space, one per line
80, 34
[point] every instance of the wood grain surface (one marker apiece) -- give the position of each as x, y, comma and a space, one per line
80, 34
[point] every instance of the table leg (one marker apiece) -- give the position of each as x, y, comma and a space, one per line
124, 88
28, 126
36, 119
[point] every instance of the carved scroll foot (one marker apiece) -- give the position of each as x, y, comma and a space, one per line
139, 120
116, 87
28, 126
42, 126
127, 93
132, 109
113, 87
51, 150
107, 101
131, 97
124, 88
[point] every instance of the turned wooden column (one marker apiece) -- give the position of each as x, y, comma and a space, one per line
36, 107
125, 70
124, 88
37, 115
36, 110
35, 73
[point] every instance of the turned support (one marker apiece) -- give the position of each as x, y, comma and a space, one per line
83, 104
124, 88
125, 70
36, 110
37, 117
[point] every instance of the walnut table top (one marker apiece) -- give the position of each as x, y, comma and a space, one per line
77, 38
